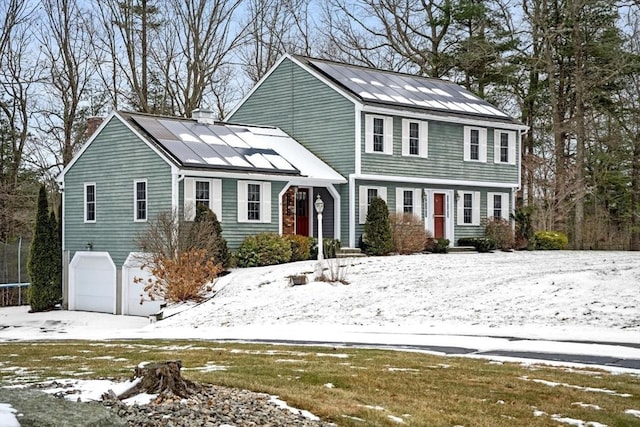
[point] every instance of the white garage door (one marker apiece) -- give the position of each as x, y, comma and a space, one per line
92, 282
135, 301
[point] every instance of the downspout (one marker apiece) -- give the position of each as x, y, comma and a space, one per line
358, 172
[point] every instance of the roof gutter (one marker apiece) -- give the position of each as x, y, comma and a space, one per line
483, 122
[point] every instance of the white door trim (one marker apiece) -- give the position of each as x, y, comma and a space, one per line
427, 209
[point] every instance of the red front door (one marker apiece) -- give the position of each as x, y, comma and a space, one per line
438, 215
302, 212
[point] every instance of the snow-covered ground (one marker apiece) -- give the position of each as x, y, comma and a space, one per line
479, 301
561, 295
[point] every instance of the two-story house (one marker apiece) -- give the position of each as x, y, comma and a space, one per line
309, 128
426, 146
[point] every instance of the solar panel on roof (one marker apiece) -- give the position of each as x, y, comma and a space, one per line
400, 89
219, 145
152, 126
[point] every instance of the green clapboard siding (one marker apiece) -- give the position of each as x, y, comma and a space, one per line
445, 157
233, 231
308, 110
459, 230
113, 161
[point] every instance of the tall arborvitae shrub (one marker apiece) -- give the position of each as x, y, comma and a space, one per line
377, 229
45, 290
206, 221
56, 257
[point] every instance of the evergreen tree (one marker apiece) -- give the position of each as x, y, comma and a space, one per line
43, 266
56, 258
206, 221
377, 229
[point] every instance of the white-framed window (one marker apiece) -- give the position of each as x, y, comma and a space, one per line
504, 147
90, 202
409, 200
140, 200
414, 138
468, 207
475, 144
203, 191
254, 201
366, 195
378, 134
498, 205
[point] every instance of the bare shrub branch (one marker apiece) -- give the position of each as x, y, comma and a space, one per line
408, 233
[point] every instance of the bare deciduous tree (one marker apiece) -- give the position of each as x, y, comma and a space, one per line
392, 34
130, 31
199, 38
19, 71
273, 28
66, 38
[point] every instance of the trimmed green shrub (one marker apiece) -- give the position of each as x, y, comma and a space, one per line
300, 246
377, 230
208, 235
482, 244
263, 249
500, 231
437, 246
551, 240
45, 271
331, 246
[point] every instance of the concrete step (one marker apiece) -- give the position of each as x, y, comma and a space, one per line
462, 249
349, 253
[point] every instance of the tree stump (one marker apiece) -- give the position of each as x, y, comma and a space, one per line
161, 378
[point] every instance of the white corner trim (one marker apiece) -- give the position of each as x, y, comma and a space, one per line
352, 211
175, 188
358, 139
280, 196
337, 203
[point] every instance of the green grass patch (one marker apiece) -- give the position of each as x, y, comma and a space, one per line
353, 387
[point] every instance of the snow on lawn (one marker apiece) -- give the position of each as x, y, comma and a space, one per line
464, 299
563, 290
468, 300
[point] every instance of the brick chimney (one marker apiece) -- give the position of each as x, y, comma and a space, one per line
93, 123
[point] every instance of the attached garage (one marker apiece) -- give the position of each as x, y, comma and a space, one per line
135, 302
92, 282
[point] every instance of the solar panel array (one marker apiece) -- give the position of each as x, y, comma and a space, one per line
406, 90
216, 146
